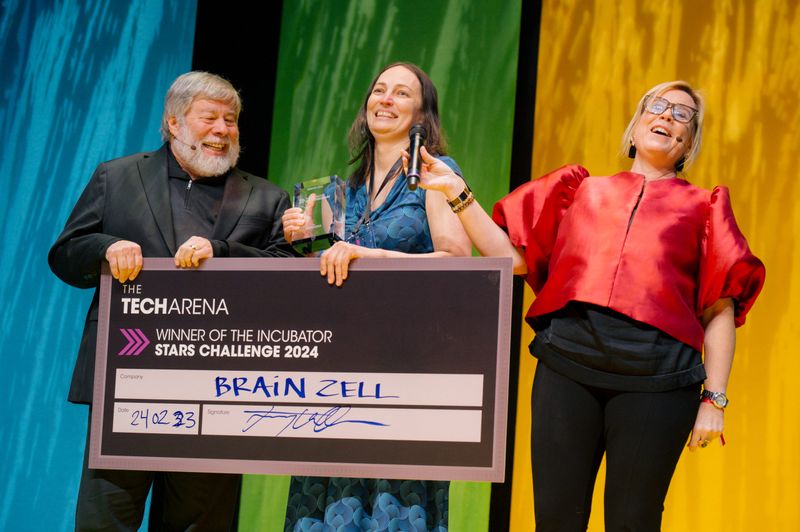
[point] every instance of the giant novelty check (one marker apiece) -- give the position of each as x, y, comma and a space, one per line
259, 366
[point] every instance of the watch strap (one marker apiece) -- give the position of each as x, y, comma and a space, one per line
718, 399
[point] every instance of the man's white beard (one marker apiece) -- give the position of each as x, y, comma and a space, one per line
196, 162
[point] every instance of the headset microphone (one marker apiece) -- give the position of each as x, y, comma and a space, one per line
192, 146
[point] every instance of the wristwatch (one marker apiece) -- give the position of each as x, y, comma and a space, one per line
718, 399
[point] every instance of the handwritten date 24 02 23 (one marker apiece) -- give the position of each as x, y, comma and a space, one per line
163, 417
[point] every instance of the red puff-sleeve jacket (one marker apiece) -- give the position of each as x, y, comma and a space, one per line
660, 252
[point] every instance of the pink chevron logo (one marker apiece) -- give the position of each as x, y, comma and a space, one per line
137, 341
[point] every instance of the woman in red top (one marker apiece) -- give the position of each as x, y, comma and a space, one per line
635, 276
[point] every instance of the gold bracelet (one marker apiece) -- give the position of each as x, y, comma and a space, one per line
464, 204
461, 198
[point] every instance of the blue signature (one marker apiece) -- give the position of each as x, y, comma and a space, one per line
297, 420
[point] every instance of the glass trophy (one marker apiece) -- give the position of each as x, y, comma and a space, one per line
322, 201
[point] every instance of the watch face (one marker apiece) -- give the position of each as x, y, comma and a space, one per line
718, 398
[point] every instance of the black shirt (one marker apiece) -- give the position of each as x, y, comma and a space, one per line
599, 347
195, 204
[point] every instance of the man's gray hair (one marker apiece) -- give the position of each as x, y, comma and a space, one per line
192, 85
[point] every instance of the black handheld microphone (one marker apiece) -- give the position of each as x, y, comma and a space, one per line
416, 134
192, 146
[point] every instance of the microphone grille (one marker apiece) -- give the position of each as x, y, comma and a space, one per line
417, 129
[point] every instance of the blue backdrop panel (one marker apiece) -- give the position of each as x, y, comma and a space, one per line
82, 82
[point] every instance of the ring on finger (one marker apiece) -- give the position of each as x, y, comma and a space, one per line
703, 443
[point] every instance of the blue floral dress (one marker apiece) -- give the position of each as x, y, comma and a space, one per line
357, 504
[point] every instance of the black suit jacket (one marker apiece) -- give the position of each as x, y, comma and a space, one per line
128, 199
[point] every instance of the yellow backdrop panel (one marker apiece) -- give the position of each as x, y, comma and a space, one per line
596, 59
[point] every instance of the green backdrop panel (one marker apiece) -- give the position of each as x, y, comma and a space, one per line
329, 53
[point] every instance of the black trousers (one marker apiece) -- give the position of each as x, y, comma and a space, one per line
114, 500
642, 435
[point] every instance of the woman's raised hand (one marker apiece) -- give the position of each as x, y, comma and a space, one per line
436, 175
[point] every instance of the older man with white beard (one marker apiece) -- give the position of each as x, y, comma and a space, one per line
188, 201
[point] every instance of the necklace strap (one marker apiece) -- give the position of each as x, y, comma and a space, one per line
367, 215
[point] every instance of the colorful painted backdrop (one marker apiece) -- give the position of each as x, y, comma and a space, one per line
329, 53
82, 82
596, 59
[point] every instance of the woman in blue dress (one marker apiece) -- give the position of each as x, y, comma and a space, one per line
383, 219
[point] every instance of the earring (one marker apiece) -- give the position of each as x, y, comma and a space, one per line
632, 151
679, 164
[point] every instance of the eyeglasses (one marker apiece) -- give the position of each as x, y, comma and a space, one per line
680, 112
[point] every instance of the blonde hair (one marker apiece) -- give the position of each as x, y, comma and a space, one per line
695, 126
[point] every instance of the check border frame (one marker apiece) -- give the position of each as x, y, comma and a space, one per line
494, 473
